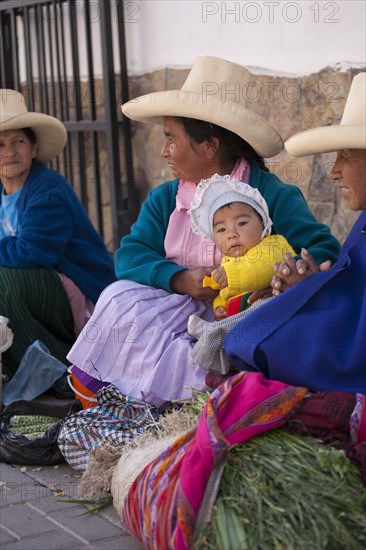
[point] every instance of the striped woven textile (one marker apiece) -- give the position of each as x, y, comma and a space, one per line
163, 503
37, 307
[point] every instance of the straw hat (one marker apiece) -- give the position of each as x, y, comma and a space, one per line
349, 134
50, 132
217, 191
216, 91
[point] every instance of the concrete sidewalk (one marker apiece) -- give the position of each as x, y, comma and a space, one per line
33, 515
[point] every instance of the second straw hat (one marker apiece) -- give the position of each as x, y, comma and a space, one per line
216, 91
50, 132
349, 134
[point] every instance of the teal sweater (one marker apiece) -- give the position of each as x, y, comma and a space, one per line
141, 256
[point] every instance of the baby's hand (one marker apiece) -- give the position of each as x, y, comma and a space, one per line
219, 274
220, 313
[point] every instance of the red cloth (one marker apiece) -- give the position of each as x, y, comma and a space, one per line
233, 306
325, 416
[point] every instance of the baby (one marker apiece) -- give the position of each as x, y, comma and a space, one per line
235, 216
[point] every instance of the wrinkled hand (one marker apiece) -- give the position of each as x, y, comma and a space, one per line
219, 274
291, 271
189, 282
260, 295
220, 313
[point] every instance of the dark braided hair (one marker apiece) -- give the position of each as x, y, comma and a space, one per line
231, 145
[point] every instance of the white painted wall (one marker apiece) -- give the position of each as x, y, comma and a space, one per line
280, 36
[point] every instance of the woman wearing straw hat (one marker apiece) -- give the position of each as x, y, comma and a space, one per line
137, 337
316, 330
49, 250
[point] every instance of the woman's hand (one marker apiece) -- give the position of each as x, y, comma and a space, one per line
219, 274
260, 295
189, 282
291, 271
220, 313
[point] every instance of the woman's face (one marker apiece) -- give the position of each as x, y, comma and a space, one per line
350, 172
187, 160
16, 155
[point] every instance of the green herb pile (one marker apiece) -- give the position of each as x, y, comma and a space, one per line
31, 426
283, 491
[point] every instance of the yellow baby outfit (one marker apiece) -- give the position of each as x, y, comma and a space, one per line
253, 271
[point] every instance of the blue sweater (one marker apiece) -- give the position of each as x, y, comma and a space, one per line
141, 256
313, 334
54, 232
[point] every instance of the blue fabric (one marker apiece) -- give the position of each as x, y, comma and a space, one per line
9, 214
141, 256
314, 334
55, 232
36, 373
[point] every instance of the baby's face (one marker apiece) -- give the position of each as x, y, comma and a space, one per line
237, 228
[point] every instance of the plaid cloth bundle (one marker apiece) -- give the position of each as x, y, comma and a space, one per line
115, 420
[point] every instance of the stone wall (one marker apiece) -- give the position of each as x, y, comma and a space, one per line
290, 104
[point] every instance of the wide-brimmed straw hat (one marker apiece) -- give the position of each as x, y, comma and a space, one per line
349, 134
50, 132
216, 91
217, 191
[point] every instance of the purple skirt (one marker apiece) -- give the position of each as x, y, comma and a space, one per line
137, 340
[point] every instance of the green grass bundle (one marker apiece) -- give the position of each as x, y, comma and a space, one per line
283, 491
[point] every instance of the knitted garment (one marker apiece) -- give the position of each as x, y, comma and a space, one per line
208, 352
319, 323
251, 272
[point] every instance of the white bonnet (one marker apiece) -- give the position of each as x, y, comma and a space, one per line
217, 191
